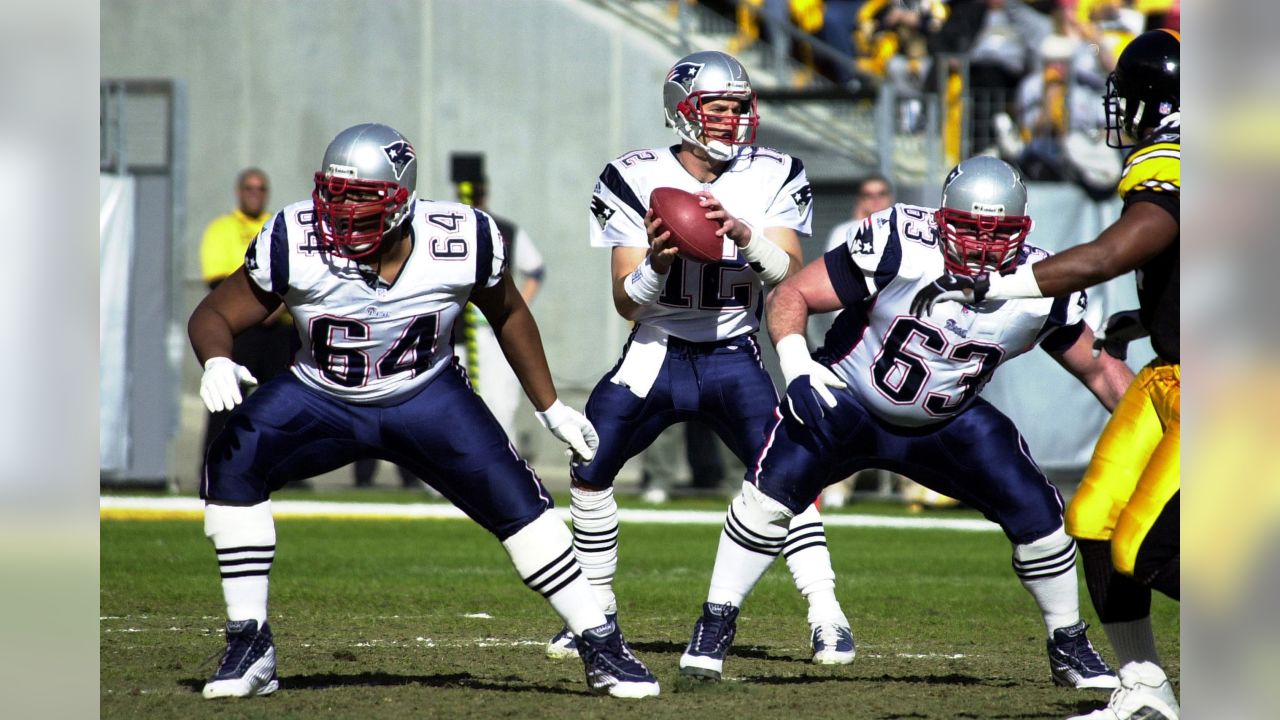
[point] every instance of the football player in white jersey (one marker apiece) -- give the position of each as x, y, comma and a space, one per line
893, 391
693, 352
374, 278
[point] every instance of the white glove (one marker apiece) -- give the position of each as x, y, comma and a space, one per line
572, 428
220, 384
793, 355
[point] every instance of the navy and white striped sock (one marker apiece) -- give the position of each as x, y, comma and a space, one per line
542, 553
244, 538
810, 563
595, 540
753, 535
1047, 569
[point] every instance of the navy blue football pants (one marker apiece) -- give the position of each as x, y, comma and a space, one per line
977, 457
723, 384
444, 434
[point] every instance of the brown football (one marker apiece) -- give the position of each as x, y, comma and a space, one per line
691, 231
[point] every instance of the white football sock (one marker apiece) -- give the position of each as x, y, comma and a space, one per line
810, 563
245, 541
595, 540
1047, 569
1133, 641
542, 552
753, 534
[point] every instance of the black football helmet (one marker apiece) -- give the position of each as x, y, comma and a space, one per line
1143, 88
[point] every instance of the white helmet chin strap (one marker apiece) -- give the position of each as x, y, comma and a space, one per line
717, 149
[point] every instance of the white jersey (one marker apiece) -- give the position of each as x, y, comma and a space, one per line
363, 340
702, 302
915, 371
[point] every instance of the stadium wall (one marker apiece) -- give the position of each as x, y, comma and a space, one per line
548, 90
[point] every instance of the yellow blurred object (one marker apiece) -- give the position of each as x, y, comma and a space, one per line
807, 14
1135, 469
918, 497
954, 120
748, 15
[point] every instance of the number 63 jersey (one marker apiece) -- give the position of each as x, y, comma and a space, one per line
913, 371
363, 340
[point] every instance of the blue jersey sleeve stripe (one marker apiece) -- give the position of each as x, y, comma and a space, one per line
484, 248
845, 276
797, 167
1058, 313
891, 258
612, 179
279, 256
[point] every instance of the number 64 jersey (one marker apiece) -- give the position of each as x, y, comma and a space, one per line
363, 340
913, 371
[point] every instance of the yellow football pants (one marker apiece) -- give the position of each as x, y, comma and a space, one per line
1135, 468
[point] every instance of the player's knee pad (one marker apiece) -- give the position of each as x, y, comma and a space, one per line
758, 511
756, 522
1048, 556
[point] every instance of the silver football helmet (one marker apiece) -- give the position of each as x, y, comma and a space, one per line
700, 77
983, 217
365, 188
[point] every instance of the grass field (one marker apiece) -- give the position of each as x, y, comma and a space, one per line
382, 618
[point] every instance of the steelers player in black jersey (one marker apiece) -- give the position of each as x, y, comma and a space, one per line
1125, 514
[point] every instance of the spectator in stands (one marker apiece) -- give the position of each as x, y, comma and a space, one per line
996, 35
839, 21
267, 348
1061, 121
874, 193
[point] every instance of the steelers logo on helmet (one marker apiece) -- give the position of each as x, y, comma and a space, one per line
364, 190
707, 98
983, 217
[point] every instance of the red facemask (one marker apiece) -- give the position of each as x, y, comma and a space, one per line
974, 244
353, 227
743, 126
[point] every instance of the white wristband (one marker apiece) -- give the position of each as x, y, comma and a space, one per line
644, 284
552, 416
1020, 283
770, 262
793, 356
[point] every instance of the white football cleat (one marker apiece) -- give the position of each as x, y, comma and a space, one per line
832, 644
1144, 694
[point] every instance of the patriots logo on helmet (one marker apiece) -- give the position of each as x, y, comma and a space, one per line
684, 73
400, 154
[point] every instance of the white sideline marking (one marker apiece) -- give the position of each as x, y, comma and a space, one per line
441, 511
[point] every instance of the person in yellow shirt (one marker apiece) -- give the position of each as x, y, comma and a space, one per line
268, 348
